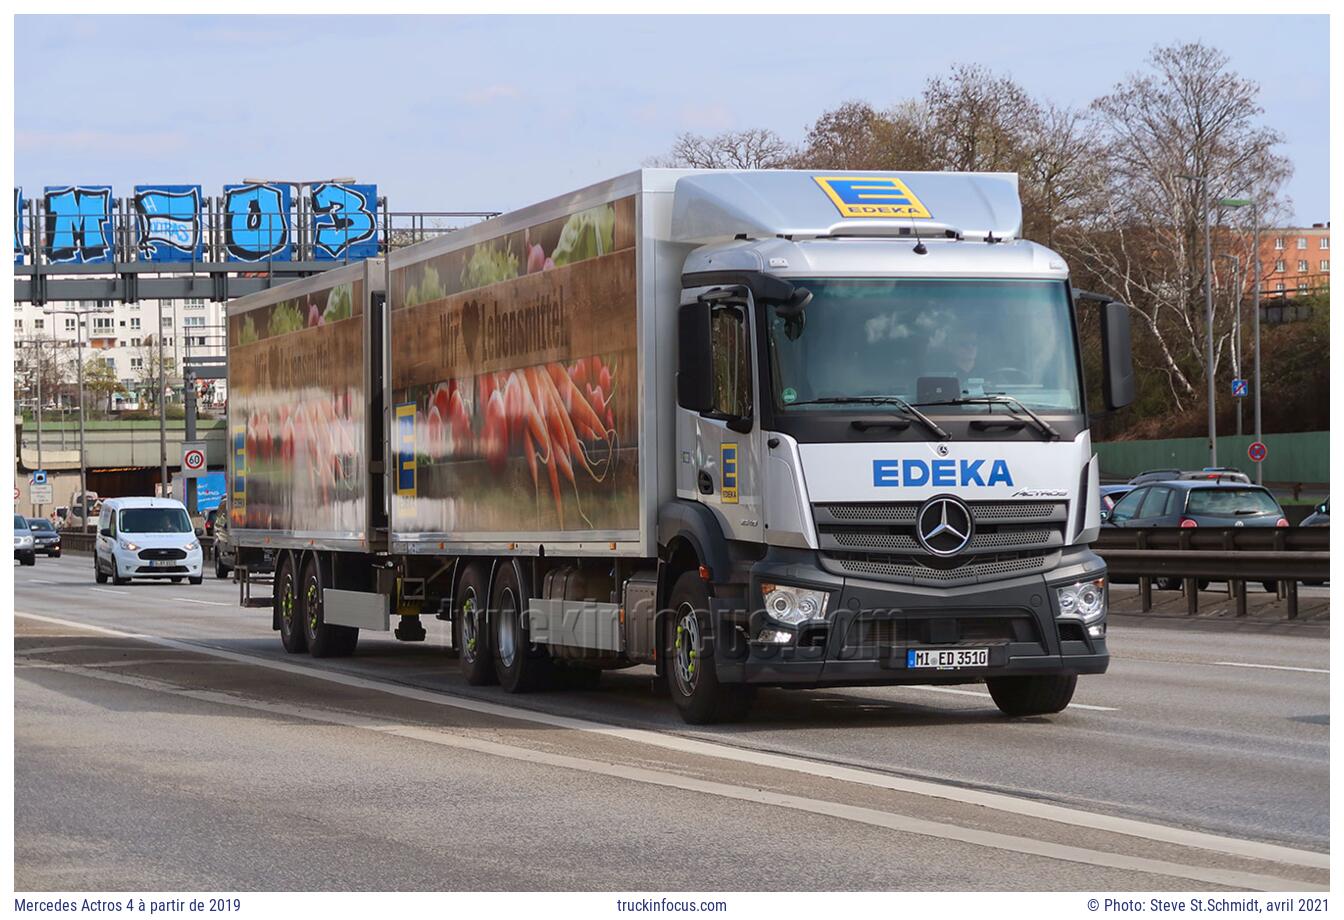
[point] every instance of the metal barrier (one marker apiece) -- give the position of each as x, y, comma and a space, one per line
1283, 555
72, 541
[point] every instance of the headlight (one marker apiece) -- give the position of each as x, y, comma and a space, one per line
191, 546
1084, 601
793, 606
128, 545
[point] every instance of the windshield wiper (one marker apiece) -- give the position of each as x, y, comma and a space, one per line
1001, 399
896, 401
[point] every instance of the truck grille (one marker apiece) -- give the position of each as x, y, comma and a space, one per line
878, 541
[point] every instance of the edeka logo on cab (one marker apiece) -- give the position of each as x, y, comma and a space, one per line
911, 473
872, 196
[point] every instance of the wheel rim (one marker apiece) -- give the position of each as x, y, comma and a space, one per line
468, 629
508, 620
287, 601
313, 599
686, 650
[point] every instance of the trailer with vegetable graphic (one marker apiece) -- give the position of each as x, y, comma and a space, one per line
709, 422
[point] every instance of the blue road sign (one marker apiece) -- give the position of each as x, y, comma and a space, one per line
1239, 387
39, 477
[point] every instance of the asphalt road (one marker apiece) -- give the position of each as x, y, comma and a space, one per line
164, 740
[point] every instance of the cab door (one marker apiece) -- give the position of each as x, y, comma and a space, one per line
727, 454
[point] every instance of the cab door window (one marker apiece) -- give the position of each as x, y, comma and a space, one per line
731, 352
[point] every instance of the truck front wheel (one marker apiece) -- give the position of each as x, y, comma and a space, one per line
688, 660
324, 640
471, 637
1036, 695
519, 665
287, 608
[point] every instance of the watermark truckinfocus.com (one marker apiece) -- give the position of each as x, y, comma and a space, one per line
668, 905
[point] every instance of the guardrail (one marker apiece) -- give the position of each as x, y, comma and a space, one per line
1283, 555
72, 541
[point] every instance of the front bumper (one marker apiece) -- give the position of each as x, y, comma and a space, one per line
131, 565
874, 625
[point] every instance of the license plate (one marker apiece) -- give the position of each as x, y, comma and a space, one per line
163, 563
945, 659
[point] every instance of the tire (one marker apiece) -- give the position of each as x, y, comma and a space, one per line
324, 640
1271, 586
1175, 584
692, 679
288, 614
195, 580
29, 559
221, 570
117, 579
1036, 695
520, 666
471, 637
98, 574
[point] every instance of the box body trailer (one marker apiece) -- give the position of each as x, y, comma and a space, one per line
753, 428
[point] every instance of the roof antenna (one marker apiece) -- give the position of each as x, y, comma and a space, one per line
920, 248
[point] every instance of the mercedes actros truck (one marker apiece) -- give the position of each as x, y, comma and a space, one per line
750, 428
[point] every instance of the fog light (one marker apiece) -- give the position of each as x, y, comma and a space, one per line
775, 636
1097, 630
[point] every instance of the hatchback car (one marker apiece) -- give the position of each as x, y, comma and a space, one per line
1319, 517
24, 549
46, 538
1196, 503
145, 538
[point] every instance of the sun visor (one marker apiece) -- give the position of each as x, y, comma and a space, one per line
765, 203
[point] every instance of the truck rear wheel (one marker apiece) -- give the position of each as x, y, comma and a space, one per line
519, 665
287, 610
692, 679
324, 640
1036, 695
471, 637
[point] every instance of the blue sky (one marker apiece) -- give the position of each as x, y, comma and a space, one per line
492, 113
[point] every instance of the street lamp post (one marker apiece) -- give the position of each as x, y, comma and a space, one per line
163, 414
79, 362
1254, 205
1236, 325
1208, 311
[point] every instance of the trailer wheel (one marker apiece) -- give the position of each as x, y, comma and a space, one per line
288, 614
1036, 695
520, 666
324, 640
691, 677
471, 638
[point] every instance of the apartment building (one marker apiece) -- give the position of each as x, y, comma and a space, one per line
126, 339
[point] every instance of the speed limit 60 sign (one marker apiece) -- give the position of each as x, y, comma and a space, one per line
193, 458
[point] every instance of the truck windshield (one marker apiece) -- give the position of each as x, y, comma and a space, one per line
154, 520
928, 342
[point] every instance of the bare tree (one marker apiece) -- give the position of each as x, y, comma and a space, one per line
751, 148
147, 373
856, 136
979, 122
1141, 237
45, 358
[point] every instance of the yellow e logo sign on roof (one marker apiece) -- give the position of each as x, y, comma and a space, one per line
872, 196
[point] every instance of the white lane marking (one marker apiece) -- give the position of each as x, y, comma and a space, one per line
108, 590
41, 581
196, 600
644, 775
960, 692
24, 662
1271, 667
995, 800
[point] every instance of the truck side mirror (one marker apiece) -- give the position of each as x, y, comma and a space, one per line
1117, 382
693, 357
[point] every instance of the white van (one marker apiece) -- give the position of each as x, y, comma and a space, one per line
145, 538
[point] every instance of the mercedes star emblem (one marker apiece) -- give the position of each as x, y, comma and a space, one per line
944, 525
